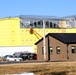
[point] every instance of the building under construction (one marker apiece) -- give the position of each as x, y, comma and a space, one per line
20, 33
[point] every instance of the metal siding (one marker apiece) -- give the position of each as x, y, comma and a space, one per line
11, 50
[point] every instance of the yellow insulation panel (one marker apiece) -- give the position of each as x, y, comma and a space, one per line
8, 30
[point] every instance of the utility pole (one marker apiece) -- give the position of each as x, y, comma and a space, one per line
44, 41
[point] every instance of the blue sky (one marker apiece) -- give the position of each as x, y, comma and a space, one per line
58, 8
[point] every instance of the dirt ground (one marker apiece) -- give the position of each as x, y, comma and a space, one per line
42, 68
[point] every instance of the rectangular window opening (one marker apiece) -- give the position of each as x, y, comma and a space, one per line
73, 49
51, 50
42, 50
58, 49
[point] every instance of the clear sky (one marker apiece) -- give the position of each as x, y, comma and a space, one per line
60, 8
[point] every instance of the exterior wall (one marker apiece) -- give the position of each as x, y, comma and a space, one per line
63, 49
9, 28
40, 56
13, 49
52, 43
